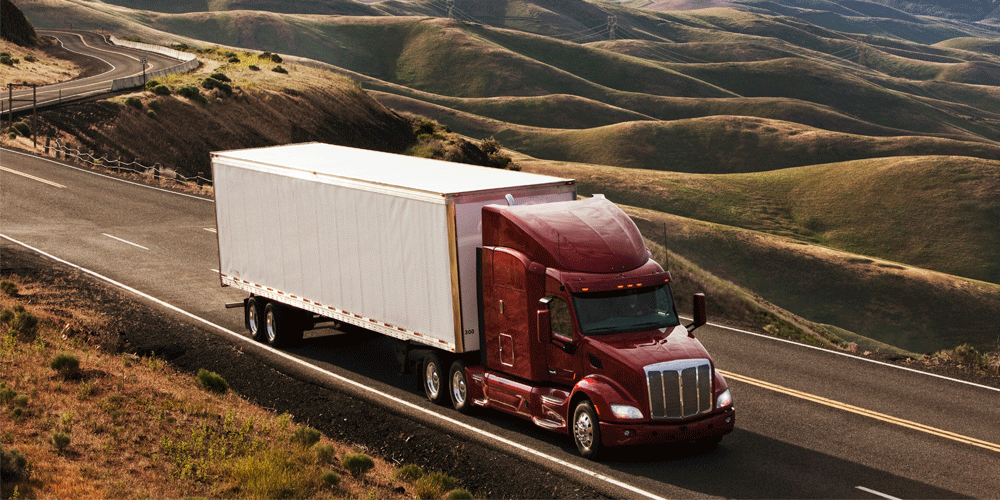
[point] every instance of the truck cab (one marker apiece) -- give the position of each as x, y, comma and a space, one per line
580, 333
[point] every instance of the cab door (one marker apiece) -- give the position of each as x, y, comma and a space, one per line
561, 358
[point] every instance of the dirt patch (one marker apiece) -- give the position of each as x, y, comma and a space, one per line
132, 326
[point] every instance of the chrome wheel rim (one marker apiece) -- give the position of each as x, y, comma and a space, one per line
271, 333
432, 379
583, 429
253, 320
458, 389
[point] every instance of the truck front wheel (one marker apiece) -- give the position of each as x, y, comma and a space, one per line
435, 380
586, 430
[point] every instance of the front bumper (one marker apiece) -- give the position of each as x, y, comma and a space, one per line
716, 424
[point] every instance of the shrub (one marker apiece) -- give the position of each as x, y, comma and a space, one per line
7, 395
234, 59
330, 478
433, 485
66, 365
220, 77
253, 68
458, 494
191, 92
135, 102
357, 463
305, 436
23, 128
276, 58
23, 324
6, 59
211, 381
150, 113
279, 69
967, 355
161, 90
8, 287
21, 401
30, 58
60, 440
13, 466
152, 84
325, 453
212, 83
408, 473
7, 315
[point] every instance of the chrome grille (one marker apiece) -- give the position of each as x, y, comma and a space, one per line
679, 389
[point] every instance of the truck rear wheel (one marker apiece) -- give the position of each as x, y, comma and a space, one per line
254, 318
459, 387
280, 325
586, 430
435, 380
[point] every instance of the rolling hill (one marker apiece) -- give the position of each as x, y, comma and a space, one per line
826, 112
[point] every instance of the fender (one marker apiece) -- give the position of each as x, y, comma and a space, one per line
603, 392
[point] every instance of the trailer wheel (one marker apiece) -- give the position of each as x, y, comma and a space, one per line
435, 381
280, 325
459, 387
254, 318
586, 430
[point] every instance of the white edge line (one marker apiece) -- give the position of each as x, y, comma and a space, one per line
890, 365
124, 241
32, 177
876, 493
356, 385
50, 160
847, 355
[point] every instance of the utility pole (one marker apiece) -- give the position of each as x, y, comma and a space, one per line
451, 9
612, 24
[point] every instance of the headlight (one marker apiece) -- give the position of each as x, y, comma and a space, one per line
626, 412
725, 399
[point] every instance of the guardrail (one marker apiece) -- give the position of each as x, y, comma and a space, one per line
118, 166
190, 62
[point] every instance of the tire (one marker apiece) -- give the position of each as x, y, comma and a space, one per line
281, 328
459, 387
255, 318
435, 383
586, 430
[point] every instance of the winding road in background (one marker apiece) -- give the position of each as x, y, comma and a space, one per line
810, 423
120, 62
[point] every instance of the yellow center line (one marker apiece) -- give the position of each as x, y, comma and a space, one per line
32, 177
864, 412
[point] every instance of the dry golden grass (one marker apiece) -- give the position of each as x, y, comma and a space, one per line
43, 71
140, 429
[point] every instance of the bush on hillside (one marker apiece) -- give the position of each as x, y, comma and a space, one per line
13, 466
9, 288
279, 69
161, 90
22, 128
135, 102
211, 381
305, 436
66, 365
220, 77
357, 463
212, 83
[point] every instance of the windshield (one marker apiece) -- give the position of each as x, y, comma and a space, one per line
620, 311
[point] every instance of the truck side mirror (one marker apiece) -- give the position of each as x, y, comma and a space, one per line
544, 326
700, 312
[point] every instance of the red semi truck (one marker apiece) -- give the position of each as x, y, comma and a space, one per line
507, 291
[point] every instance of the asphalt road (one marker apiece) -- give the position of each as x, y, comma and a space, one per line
810, 423
120, 62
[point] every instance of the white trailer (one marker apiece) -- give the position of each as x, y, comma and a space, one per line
382, 241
